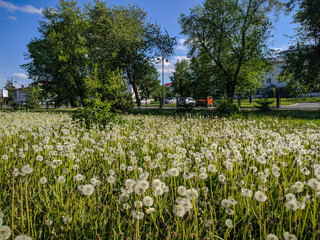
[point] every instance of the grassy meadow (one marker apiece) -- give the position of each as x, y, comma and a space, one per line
152, 177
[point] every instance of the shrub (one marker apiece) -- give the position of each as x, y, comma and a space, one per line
96, 112
264, 104
224, 106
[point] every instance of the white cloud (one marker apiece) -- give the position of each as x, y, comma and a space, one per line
19, 76
169, 66
181, 47
281, 48
181, 58
26, 8
12, 18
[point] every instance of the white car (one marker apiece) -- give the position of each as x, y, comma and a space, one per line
171, 100
187, 102
145, 101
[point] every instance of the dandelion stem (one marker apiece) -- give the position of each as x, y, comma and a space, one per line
12, 210
27, 206
21, 203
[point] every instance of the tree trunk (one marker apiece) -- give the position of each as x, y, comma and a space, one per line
135, 89
230, 90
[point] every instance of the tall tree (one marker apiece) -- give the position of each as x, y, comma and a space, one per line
233, 35
181, 78
302, 69
131, 40
148, 81
59, 57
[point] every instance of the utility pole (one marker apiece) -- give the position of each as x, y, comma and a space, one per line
162, 92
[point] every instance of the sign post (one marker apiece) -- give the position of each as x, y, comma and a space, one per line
3, 94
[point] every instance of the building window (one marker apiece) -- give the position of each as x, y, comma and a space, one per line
269, 80
279, 69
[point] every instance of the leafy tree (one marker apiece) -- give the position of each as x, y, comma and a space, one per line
201, 77
77, 43
33, 97
149, 84
233, 36
131, 41
58, 57
302, 69
181, 79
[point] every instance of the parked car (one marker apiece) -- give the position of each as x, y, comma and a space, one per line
202, 102
145, 101
187, 101
170, 100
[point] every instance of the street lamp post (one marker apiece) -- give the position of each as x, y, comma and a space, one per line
162, 93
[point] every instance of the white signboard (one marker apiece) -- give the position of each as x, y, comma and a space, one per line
5, 93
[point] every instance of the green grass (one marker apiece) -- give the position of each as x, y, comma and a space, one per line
252, 150
283, 101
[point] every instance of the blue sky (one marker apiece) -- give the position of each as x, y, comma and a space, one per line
19, 22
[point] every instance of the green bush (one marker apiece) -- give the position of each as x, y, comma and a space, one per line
96, 112
264, 104
224, 106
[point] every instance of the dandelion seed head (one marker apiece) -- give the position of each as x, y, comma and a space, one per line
260, 196
87, 189
229, 223
272, 237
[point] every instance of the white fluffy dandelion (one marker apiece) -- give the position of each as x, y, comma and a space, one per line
182, 190
225, 203
148, 201
179, 210
229, 223
26, 169
260, 196
87, 189
246, 192
289, 236
61, 179
5, 232
174, 172
78, 178
23, 237
43, 180
272, 237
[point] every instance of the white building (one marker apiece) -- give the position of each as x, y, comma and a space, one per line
277, 64
271, 77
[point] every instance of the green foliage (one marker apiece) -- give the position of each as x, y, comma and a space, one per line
264, 104
302, 71
181, 79
231, 39
224, 106
122, 37
33, 97
148, 82
120, 99
76, 43
96, 112
58, 58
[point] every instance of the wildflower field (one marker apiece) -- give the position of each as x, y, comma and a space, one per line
155, 177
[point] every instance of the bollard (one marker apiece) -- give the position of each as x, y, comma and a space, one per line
278, 100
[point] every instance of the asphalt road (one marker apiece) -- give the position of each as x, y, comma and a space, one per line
302, 105
296, 106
